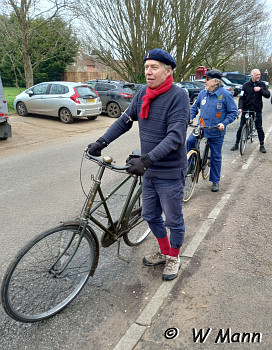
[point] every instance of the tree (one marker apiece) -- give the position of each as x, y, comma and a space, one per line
196, 32
26, 20
120, 32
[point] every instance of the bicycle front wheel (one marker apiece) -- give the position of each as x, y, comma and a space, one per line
191, 177
137, 226
243, 139
48, 273
206, 162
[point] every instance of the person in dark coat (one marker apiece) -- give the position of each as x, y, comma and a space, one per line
251, 100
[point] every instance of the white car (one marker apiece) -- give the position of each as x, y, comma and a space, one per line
65, 100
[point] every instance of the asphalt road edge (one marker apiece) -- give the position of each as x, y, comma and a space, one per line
135, 332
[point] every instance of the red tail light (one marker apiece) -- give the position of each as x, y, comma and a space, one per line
126, 95
96, 93
75, 96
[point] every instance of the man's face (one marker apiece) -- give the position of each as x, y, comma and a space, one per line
210, 83
155, 73
256, 75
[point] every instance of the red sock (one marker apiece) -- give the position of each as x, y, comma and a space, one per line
174, 252
164, 245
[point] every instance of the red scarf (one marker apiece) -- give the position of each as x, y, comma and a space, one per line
153, 93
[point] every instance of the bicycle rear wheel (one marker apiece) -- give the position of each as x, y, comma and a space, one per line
206, 162
191, 177
243, 139
35, 287
137, 226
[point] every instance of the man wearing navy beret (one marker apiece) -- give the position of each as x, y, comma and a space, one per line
162, 111
217, 109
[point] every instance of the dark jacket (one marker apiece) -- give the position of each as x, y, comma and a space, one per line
162, 134
249, 99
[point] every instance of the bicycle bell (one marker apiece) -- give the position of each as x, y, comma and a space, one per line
196, 132
107, 159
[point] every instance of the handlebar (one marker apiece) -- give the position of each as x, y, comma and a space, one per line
202, 126
254, 112
106, 162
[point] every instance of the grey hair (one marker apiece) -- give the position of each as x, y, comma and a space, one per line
218, 83
166, 66
252, 72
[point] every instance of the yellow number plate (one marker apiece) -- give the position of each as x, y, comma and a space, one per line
90, 100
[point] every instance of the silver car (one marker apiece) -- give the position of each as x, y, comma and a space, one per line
66, 100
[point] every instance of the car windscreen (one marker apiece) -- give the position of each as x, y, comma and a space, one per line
85, 92
129, 89
227, 81
199, 84
236, 78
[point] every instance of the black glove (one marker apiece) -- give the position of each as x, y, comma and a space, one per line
138, 166
94, 149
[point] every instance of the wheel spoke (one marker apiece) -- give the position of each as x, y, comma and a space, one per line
138, 227
33, 290
191, 177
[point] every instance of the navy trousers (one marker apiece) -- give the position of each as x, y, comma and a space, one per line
216, 144
164, 196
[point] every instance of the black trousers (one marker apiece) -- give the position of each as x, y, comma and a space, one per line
258, 125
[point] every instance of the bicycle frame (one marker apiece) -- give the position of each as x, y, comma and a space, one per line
247, 130
113, 228
198, 132
200, 162
250, 117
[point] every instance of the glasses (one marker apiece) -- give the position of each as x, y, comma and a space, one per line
208, 78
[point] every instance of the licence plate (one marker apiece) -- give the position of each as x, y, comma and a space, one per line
90, 100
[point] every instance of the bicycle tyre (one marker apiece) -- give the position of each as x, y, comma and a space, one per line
191, 177
251, 129
32, 290
206, 162
138, 227
243, 139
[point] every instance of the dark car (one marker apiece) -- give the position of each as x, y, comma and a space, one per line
236, 87
237, 78
115, 95
193, 88
138, 86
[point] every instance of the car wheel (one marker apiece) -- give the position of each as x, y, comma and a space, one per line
92, 117
194, 99
113, 110
66, 116
21, 109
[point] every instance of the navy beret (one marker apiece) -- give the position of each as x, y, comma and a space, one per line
161, 56
214, 74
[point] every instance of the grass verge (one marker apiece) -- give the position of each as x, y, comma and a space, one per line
10, 94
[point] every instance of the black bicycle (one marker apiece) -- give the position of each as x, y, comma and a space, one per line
50, 271
198, 161
248, 131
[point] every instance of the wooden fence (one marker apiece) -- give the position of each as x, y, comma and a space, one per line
85, 76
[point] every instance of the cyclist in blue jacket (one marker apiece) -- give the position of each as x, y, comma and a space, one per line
217, 108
